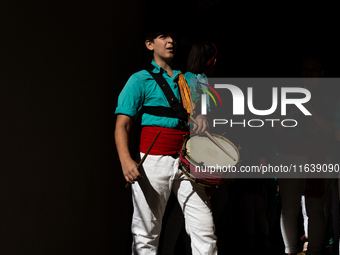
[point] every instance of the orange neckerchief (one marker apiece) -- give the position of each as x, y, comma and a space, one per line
184, 88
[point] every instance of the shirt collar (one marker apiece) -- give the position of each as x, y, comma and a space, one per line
157, 69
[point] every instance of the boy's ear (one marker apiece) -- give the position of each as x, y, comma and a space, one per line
149, 45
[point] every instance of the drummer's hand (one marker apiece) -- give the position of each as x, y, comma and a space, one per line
203, 124
130, 171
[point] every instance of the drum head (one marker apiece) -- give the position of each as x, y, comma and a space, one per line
202, 149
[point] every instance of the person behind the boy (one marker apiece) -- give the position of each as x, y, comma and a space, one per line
159, 175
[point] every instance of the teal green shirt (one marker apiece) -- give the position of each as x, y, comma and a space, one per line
192, 80
141, 89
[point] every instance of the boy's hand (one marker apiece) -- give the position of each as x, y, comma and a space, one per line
203, 124
131, 172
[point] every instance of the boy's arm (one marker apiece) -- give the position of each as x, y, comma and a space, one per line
122, 132
203, 124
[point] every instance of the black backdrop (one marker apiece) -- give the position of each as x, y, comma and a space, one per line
62, 68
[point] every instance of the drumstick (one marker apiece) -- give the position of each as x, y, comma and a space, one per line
144, 157
213, 139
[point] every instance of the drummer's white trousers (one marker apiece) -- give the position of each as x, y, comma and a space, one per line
150, 196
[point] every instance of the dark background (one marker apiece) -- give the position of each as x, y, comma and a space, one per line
62, 68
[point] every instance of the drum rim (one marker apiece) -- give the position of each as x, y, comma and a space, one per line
186, 168
199, 181
194, 163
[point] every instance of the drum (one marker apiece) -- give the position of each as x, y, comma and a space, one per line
203, 162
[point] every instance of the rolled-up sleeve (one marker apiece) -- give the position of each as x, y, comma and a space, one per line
130, 99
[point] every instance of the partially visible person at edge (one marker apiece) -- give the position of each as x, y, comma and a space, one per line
336, 160
201, 64
307, 143
159, 174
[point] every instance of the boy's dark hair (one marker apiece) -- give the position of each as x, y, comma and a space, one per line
200, 56
159, 28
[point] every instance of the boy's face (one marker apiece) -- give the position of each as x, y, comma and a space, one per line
163, 46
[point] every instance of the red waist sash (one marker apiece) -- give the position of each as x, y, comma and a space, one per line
168, 142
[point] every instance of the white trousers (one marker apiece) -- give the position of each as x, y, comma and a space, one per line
150, 196
291, 191
304, 215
